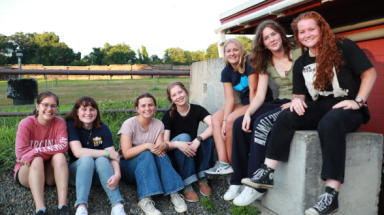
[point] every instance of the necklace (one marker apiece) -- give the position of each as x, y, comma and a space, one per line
86, 135
311, 54
184, 114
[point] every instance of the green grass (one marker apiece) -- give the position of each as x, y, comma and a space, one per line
208, 204
110, 95
246, 210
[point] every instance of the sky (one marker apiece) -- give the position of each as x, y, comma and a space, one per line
83, 24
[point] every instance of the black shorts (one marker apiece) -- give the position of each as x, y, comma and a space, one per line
17, 178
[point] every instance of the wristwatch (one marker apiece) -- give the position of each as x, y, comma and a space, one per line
360, 102
199, 138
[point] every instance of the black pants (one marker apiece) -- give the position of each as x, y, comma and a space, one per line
249, 149
332, 126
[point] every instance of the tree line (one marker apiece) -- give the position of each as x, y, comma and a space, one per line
47, 49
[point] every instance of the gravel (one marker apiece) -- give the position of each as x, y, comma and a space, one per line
15, 199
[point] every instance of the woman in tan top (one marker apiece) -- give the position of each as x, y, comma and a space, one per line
145, 160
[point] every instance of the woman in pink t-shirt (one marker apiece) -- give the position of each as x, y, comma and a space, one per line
145, 161
41, 142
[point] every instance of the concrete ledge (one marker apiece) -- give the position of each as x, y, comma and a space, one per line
298, 183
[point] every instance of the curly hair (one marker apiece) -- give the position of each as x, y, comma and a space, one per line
260, 55
243, 54
169, 88
327, 54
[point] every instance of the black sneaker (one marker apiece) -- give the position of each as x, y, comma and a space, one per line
42, 213
63, 211
262, 178
327, 205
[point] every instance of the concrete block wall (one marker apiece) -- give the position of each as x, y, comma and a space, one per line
297, 182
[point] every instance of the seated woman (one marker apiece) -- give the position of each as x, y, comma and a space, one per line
93, 159
145, 160
238, 75
190, 154
339, 77
41, 142
272, 56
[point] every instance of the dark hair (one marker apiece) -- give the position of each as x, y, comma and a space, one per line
83, 101
173, 105
327, 49
260, 56
41, 97
144, 95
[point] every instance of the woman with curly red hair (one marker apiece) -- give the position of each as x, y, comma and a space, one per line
331, 83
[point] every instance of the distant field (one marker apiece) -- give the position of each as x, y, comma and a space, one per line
70, 90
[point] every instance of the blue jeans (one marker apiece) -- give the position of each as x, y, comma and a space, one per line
87, 171
152, 174
187, 167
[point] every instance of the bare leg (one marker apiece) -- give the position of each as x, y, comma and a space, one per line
271, 163
217, 121
33, 177
238, 111
57, 173
333, 183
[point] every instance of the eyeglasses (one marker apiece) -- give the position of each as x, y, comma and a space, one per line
45, 105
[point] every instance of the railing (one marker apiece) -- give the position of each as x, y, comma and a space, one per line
88, 72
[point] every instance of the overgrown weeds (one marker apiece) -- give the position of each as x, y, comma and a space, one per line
208, 204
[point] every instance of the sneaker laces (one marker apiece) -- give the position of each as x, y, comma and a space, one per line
325, 200
149, 204
178, 198
203, 180
258, 174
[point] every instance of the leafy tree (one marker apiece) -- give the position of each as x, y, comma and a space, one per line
155, 59
118, 54
5, 49
246, 41
175, 56
212, 51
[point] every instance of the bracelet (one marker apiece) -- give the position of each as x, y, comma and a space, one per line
166, 149
106, 153
224, 120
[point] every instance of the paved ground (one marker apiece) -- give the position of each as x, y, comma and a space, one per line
15, 199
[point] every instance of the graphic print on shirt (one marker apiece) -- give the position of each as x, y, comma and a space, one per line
97, 141
243, 85
309, 73
263, 128
49, 145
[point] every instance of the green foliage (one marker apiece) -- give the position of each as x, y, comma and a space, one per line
212, 51
118, 54
247, 43
246, 210
208, 204
175, 56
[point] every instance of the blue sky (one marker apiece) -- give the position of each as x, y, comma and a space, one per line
83, 24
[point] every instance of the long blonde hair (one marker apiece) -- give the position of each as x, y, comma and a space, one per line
243, 54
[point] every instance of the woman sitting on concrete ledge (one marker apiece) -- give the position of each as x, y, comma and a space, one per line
338, 77
190, 154
41, 143
272, 56
146, 162
93, 159
238, 75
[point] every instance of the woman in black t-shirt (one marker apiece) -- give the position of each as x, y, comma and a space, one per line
329, 74
190, 154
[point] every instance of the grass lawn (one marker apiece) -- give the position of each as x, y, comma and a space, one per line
108, 96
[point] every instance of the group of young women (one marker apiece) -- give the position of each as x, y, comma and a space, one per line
323, 85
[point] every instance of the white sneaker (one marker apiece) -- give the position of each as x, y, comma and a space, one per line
233, 191
148, 206
118, 210
178, 202
81, 211
218, 170
247, 196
